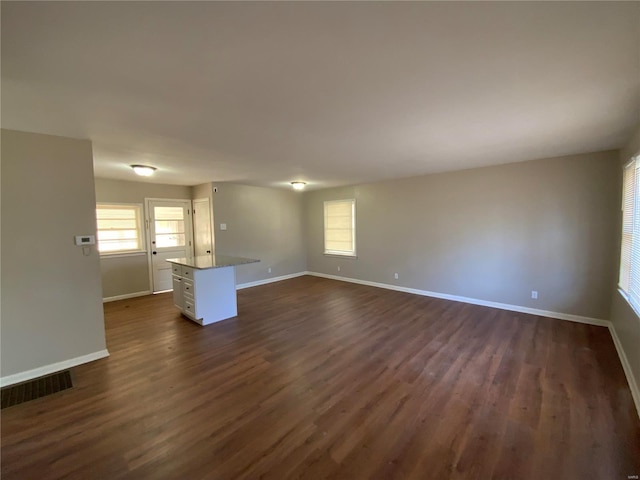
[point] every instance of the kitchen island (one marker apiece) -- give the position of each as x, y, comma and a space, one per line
204, 287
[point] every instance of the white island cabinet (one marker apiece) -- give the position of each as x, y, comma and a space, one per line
204, 287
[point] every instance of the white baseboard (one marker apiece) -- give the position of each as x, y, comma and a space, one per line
240, 286
626, 366
474, 301
52, 368
126, 295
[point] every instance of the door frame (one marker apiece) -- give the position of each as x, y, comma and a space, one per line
147, 227
209, 218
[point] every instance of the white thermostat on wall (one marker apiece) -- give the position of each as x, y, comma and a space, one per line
85, 240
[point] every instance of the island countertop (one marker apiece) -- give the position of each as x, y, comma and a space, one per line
204, 262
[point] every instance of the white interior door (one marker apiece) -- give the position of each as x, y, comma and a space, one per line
170, 236
202, 238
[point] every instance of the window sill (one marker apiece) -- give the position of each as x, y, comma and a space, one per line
626, 299
338, 255
122, 254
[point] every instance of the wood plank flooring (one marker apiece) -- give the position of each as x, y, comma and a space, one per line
322, 379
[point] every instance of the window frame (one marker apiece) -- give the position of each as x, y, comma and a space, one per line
339, 253
626, 291
140, 217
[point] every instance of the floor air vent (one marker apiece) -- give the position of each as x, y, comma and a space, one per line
40, 387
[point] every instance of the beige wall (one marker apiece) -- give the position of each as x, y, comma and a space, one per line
51, 293
625, 321
108, 190
263, 223
493, 234
124, 275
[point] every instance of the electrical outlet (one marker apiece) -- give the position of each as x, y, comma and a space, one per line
534, 294
269, 270
338, 267
395, 275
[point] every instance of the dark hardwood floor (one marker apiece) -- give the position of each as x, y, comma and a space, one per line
322, 379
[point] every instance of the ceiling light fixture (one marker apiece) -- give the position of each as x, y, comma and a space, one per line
298, 185
143, 170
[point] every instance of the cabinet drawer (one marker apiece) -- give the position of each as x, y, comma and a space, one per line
187, 272
176, 269
187, 287
189, 308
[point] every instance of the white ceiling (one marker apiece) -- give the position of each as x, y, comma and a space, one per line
330, 93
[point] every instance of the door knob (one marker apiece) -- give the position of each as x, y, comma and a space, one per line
154, 253
208, 251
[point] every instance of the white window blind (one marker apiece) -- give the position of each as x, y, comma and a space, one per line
630, 252
119, 228
340, 227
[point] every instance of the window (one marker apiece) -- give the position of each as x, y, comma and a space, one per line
170, 227
119, 228
340, 227
630, 253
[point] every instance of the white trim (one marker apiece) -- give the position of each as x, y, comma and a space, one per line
340, 253
270, 280
123, 254
630, 162
140, 217
162, 199
125, 296
625, 297
52, 368
203, 200
626, 366
474, 301
147, 220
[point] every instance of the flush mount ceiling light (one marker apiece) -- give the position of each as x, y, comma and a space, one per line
298, 185
143, 170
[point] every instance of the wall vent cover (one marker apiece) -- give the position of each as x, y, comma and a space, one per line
40, 387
